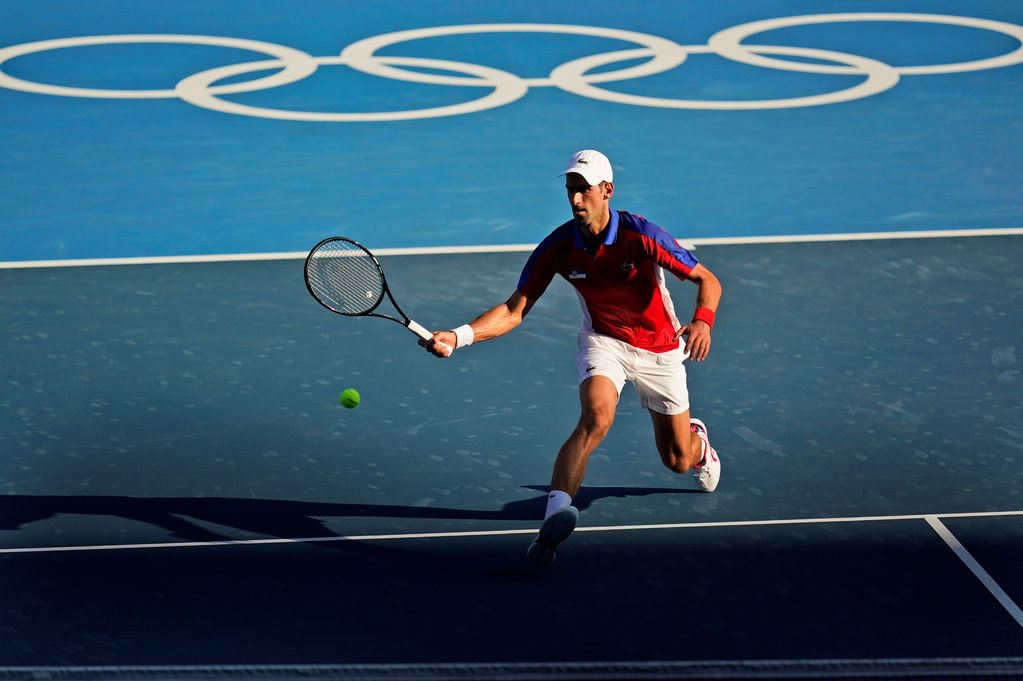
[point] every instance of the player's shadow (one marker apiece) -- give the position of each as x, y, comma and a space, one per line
270, 517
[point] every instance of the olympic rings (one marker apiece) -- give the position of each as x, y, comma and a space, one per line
576, 76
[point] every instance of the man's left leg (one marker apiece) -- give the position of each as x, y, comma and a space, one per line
681, 441
684, 445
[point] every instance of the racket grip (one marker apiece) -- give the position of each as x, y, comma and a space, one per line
425, 334
419, 330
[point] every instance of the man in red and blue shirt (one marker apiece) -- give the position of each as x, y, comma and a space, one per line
616, 261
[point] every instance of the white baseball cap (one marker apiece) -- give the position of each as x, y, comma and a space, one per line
592, 165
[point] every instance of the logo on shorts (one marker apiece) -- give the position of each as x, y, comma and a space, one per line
626, 266
576, 274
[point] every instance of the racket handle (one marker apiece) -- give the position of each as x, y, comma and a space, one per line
425, 334
419, 330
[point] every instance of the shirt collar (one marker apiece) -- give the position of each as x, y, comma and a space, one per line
610, 233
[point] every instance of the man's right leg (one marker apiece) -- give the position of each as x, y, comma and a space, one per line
598, 397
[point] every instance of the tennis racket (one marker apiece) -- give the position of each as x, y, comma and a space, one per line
344, 277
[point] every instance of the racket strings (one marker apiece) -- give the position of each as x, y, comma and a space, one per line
346, 278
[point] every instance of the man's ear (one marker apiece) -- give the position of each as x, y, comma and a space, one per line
609, 189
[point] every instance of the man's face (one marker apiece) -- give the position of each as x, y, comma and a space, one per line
588, 202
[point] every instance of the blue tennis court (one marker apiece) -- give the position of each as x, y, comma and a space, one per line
182, 496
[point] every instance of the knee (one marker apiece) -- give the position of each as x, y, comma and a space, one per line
676, 461
679, 457
596, 421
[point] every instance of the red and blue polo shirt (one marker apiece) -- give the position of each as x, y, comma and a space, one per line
621, 284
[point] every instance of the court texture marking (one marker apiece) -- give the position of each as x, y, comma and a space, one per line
181, 496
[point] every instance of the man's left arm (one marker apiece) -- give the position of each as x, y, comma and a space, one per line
708, 297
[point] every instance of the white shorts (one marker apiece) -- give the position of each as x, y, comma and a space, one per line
659, 377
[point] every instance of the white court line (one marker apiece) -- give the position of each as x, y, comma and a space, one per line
510, 248
975, 567
252, 257
498, 533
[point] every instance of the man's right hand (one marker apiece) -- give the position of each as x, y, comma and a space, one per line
442, 344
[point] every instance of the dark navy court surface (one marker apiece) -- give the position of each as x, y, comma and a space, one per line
165, 406
182, 496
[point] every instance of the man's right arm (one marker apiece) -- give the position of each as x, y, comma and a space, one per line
495, 322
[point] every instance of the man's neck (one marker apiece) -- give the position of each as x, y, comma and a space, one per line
594, 239
595, 230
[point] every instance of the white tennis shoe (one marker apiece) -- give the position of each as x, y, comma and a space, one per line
707, 474
553, 531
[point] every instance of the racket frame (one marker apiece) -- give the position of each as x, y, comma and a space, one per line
405, 320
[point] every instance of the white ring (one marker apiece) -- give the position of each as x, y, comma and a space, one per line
296, 64
727, 42
196, 90
362, 55
880, 77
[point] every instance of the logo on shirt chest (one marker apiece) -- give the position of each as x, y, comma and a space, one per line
578, 273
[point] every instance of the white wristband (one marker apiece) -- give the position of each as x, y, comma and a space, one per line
464, 336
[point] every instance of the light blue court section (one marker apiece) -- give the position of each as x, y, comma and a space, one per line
855, 126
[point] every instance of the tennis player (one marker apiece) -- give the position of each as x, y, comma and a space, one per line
616, 261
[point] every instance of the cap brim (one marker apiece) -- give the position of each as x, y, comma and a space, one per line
587, 174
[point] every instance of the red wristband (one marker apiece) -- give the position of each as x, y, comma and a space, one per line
704, 314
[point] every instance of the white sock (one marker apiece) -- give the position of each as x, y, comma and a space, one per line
556, 501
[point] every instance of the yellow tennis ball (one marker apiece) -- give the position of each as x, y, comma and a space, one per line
350, 398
